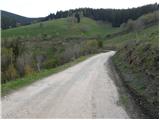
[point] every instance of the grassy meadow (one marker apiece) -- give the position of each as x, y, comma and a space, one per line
63, 27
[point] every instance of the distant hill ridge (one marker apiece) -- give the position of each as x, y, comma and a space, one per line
115, 16
10, 20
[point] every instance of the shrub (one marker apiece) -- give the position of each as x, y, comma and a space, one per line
141, 22
130, 25
28, 70
150, 18
6, 58
100, 43
50, 63
11, 72
91, 46
22, 61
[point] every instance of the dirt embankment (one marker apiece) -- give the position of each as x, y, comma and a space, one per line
137, 64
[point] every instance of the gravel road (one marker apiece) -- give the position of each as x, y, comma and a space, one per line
85, 90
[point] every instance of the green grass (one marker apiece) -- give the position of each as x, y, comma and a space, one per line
21, 82
143, 35
123, 100
63, 27
137, 62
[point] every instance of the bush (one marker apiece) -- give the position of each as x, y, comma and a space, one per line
3, 77
11, 73
22, 61
141, 22
150, 18
91, 46
130, 25
100, 43
6, 58
50, 63
28, 70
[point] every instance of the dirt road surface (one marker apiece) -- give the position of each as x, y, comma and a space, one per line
83, 91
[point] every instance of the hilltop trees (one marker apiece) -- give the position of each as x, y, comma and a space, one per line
77, 17
49, 17
7, 22
115, 16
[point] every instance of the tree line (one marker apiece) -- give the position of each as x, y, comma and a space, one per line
115, 16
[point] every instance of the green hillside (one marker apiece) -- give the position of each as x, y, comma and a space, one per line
149, 34
64, 27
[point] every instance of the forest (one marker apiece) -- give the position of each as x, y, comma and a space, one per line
114, 16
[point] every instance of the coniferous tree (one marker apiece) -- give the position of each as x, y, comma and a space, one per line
78, 17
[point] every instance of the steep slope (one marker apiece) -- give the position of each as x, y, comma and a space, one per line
137, 61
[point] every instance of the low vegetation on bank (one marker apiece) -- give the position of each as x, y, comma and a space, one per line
137, 61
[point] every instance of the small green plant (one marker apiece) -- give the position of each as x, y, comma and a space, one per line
123, 100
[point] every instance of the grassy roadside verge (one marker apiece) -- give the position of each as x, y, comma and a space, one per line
139, 73
21, 82
125, 98
137, 61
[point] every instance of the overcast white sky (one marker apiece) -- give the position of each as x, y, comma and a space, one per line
41, 8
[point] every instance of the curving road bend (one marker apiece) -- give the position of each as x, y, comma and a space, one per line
85, 90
